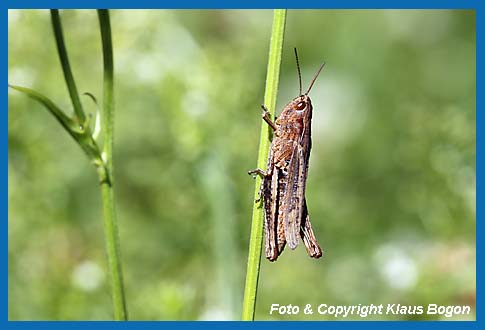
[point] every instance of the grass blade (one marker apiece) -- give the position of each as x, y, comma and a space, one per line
271, 90
81, 134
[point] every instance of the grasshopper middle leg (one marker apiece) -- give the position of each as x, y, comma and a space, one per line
263, 175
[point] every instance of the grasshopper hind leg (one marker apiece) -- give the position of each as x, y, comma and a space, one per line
307, 235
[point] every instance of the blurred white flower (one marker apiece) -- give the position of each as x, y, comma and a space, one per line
396, 267
87, 276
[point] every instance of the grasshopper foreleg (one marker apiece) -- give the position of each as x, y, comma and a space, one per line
267, 117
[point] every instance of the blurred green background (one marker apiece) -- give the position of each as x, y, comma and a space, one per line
392, 180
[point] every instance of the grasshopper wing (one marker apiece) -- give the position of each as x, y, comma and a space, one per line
294, 197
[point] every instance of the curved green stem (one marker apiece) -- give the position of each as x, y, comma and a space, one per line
256, 239
66, 68
110, 222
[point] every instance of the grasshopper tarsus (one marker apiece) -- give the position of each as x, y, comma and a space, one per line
257, 171
265, 109
272, 258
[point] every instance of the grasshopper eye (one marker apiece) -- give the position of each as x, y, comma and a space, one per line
300, 106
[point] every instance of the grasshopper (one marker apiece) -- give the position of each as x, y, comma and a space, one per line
283, 187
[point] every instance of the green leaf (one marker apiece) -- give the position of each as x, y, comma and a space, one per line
80, 132
97, 116
61, 117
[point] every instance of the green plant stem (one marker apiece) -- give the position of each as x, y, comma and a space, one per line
110, 221
271, 90
66, 68
113, 251
108, 86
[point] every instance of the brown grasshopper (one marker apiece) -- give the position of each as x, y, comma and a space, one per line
283, 187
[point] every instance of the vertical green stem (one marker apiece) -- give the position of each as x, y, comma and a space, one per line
271, 90
113, 251
66, 68
108, 87
110, 222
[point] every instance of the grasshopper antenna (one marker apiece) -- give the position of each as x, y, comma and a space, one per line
298, 68
314, 78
